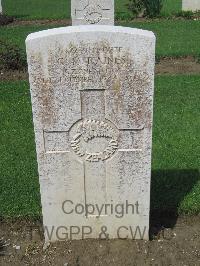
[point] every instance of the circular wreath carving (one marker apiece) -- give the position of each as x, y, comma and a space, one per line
93, 15
91, 129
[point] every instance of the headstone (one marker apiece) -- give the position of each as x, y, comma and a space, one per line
86, 12
92, 100
1, 10
191, 5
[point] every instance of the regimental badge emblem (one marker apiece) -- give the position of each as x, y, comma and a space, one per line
94, 140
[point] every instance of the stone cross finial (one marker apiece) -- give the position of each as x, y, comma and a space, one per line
85, 12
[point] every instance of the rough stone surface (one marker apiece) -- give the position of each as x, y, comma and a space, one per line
1, 10
86, 12
191, 5
92, 100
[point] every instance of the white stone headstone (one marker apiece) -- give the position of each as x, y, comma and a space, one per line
92, 101
86, 12
1, 10
191, 5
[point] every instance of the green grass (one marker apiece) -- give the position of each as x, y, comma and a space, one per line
176, 149
17, 35
37, 9
174, 38
171, 6
51, 9
19, 187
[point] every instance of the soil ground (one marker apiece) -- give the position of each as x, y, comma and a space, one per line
48, 22
168, 66
175, 245
174, 66
68, 22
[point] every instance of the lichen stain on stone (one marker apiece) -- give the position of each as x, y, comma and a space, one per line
90, 66
43, 89
116, 85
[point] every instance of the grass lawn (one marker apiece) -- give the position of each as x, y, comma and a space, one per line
45, 9
171, 6
176, 162
174, 38
19, 187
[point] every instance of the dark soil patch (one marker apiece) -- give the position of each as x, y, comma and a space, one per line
49, 22
5, 20
179, 245
68, 22
13, 75
11, 57
187, 65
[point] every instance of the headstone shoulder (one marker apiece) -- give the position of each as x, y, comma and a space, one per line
89, 28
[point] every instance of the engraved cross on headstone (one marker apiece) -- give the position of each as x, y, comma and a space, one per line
86, 12
93, 141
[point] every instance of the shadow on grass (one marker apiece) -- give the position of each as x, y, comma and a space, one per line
168, 189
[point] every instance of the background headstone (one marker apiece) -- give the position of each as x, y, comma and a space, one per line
85, 12
92, 100
1, 10
191, 5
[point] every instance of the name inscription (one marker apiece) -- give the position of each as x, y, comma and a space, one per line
88, 64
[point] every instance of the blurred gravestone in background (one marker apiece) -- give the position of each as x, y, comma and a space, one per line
1, 10
191, 5
85, 12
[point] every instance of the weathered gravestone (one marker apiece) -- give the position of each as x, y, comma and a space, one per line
85, 12
191, 5
1, 10
92, 100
